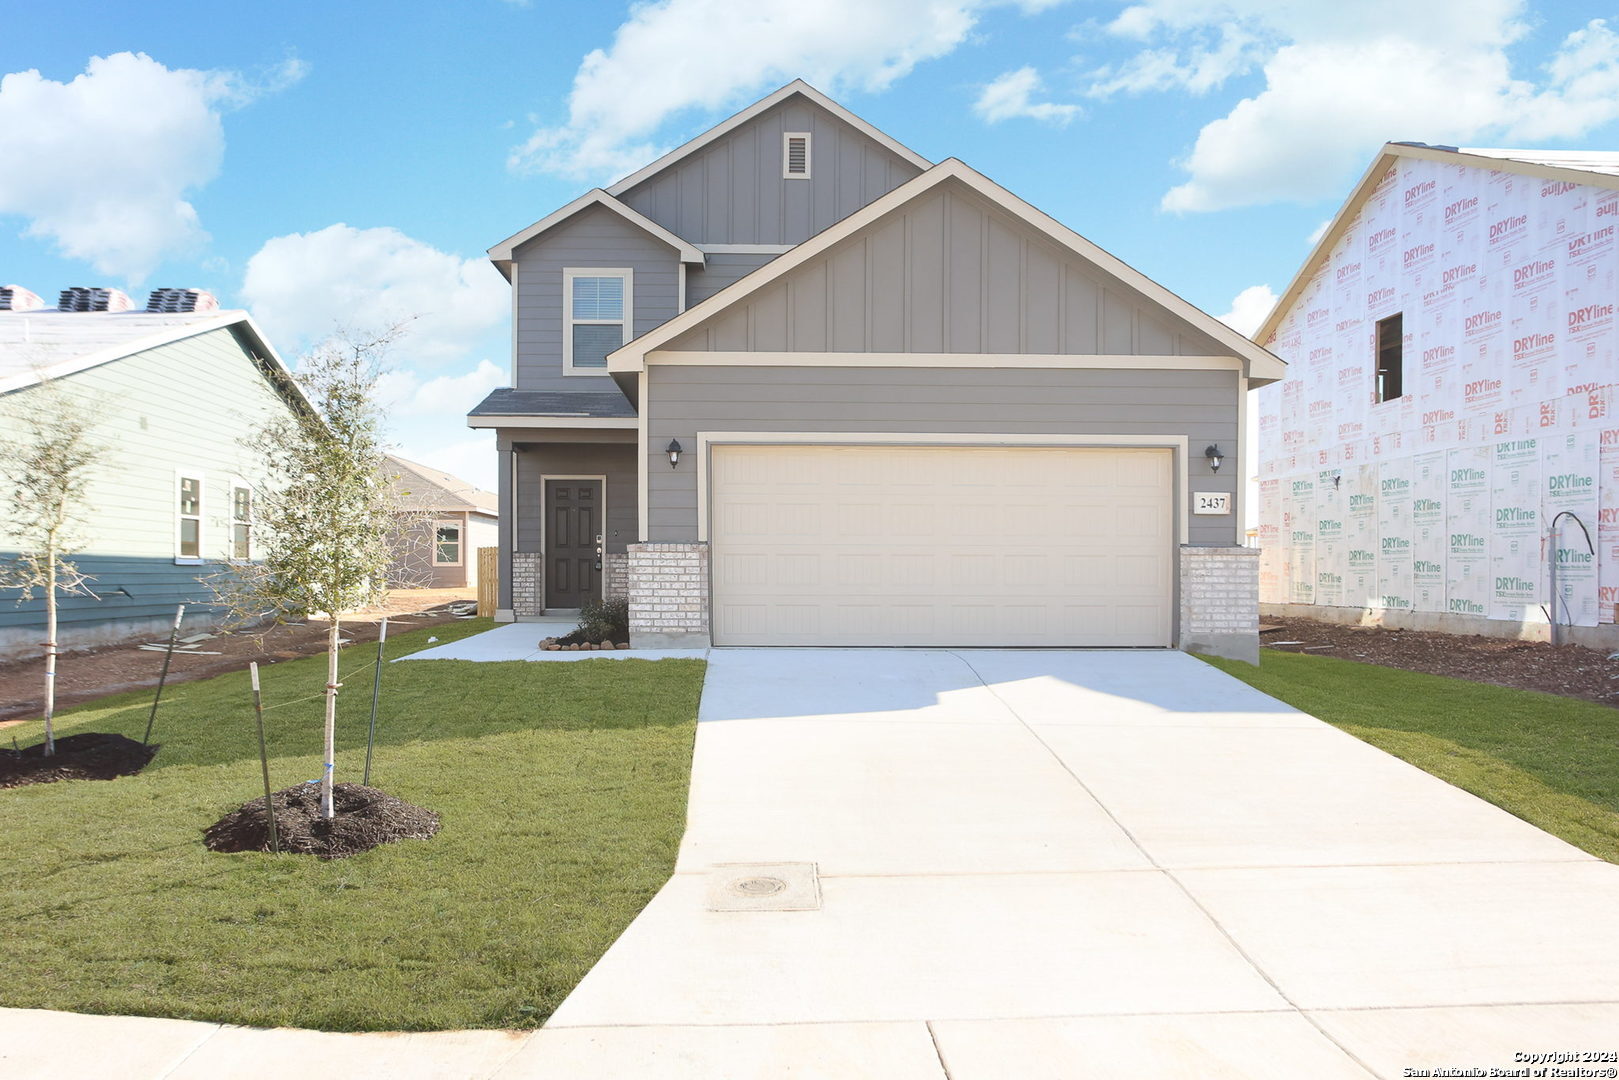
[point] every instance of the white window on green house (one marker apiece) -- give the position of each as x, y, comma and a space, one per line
188, 517
241, 522
447, 544
598, 305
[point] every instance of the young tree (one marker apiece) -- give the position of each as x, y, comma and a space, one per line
325, 518
46, 460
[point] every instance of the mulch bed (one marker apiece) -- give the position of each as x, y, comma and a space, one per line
365, 818
88, 755
1568, 670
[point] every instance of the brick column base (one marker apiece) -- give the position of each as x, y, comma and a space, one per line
528, 584
615, 576
1220, 602
668, 593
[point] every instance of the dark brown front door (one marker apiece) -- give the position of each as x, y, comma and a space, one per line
573, 522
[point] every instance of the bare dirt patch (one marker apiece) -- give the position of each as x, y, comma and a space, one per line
87, 755
364, 817
1568, 670
112, 669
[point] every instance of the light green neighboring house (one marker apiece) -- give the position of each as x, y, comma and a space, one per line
174, 395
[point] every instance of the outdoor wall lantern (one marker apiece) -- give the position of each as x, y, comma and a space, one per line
674, 452
1213, 454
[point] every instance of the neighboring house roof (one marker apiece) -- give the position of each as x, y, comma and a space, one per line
549, 408
1597, 168
502, 253
1263, 366
423, 487
39, 345
796, 87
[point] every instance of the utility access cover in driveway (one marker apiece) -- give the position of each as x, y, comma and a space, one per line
1030, 852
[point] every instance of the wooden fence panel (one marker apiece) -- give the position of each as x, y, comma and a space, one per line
488, 581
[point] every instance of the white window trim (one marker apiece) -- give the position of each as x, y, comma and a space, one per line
568, 321
201, 477
787, 138
231, 522
460, 541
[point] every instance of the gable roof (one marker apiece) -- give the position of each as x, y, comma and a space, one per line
426, 488
49, 344
1596, 168
501, 254
796, 87
1263, 367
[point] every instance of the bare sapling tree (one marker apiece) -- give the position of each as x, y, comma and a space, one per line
326, 517
48, 454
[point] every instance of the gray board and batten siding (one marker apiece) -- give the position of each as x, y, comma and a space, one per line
596, 237
179, 407
732, 191
720, 270
615, 461
684, 400
948, 272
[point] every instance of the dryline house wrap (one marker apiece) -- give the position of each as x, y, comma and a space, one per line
1409, 468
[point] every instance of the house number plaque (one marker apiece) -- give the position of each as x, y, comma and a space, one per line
1211, 502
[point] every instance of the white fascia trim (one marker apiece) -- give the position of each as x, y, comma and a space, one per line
167, 336
1262, 366
745, 249
552, 421
1367, 184
664, 358
708, 439
797, 86
501, 253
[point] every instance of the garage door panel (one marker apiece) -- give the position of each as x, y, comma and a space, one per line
941, 546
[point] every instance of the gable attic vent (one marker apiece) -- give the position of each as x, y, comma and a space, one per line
174, 301
80, 298
795, 155
17, 298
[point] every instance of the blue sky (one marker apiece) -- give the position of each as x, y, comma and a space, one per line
329, 163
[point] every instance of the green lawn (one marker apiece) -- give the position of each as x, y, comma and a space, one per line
562, 789
1553, 761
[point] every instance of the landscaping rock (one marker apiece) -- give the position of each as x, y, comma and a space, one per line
365, 817
87, 755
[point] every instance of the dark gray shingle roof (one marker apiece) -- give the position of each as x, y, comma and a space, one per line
507, 401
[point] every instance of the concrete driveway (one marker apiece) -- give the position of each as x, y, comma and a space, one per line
1080, 864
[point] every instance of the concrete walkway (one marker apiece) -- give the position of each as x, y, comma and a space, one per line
521, 641
983, 864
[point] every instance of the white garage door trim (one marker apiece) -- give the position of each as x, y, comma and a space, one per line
708, 439
1176, 446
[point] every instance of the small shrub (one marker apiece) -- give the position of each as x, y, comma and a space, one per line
605, 620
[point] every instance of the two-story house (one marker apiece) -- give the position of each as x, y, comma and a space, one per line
794, 384
171, 390
1446, 442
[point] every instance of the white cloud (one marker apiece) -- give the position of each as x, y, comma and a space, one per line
303, 286
1249, 309
469, 455
1011, 97
676, 55
1318, 232
1341, 79
103, 165
406, 394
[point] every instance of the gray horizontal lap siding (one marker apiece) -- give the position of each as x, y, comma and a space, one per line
948, 272
595, 238
616, 461
733, 192
1202, 405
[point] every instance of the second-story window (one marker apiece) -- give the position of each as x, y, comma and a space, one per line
596, 303
1391, 357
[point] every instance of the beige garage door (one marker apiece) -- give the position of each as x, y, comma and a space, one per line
866, 545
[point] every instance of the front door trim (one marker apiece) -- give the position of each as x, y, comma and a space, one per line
545, 553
